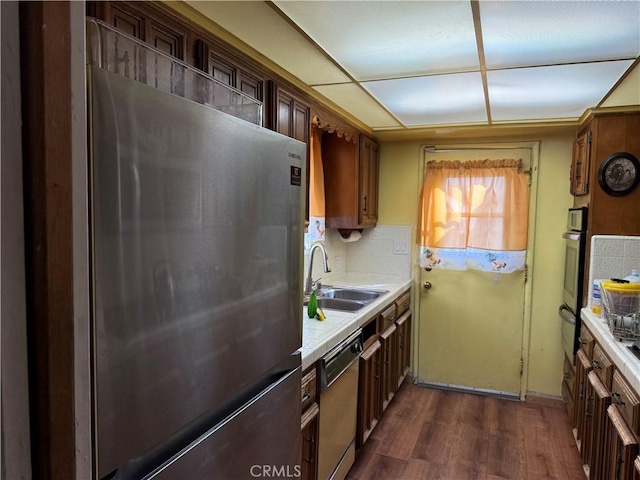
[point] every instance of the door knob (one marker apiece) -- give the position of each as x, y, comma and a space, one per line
426, 285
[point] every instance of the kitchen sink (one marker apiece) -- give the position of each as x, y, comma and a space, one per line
352, 294
339, 304
346, 299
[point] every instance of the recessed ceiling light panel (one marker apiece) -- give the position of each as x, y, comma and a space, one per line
390, 39
438, 99
530, 33
560, 91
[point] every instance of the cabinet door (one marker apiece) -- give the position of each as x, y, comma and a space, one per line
292, 116
309, 454
229, 71
389, 342
404, 346
219, 68
369, 396
170, 39
580, 164
125, 19
594, 435
368, 181
569, 388
147, 24
583, 367
621, 447
250, 84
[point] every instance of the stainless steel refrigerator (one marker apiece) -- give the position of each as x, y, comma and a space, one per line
196, 230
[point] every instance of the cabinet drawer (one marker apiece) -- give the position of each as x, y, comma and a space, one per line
627, 402
308, 391
403, 303
569, 375
586, 341
602, 366
387, 317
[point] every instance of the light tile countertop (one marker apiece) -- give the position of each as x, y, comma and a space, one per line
625, 361
318, 337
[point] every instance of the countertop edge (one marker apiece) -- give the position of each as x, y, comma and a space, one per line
320, 337
624, 360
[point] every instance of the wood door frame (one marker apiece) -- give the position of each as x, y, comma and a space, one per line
534, 148
54, 141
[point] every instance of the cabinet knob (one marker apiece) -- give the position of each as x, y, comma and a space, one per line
427, 285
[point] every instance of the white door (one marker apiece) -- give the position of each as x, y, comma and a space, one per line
471, 322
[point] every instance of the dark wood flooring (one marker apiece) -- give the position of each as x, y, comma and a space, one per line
438, 434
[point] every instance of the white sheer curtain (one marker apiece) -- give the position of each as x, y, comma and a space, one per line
474, 215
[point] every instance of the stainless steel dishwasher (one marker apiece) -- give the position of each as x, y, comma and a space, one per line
338, 408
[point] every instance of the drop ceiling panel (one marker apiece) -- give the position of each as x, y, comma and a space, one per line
390, 39
355, 101
266, 31
530, 33
560, 91
419, 60
438, 99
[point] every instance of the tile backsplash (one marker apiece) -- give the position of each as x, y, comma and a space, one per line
385, 249
613, 256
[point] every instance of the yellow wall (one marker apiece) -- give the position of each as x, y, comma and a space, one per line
399, 189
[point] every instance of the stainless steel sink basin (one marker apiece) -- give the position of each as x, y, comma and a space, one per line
346, 299
351, 294
339, 304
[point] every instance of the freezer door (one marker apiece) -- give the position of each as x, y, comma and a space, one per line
197, 225
260, 440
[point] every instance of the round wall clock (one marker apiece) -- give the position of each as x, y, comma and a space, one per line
619, 173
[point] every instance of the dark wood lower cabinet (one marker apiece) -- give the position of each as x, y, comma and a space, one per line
389, 341
583, 367
369, 398
621, 447
636, 468
309, 432
594, 436
404, 346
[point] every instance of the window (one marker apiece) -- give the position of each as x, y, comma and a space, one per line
474, 215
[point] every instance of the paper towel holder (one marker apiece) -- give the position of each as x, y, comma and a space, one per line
346, 233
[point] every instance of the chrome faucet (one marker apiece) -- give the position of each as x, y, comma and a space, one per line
325, 265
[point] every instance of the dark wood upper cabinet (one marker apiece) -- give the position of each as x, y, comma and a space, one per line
169, 40
291, 116
350, 181
580, 164
125, 19
141, 20
228, 70
369, 172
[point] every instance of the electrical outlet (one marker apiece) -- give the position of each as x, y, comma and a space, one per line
337, 263
400, 247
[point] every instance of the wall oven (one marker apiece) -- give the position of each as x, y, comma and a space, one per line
569, 311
